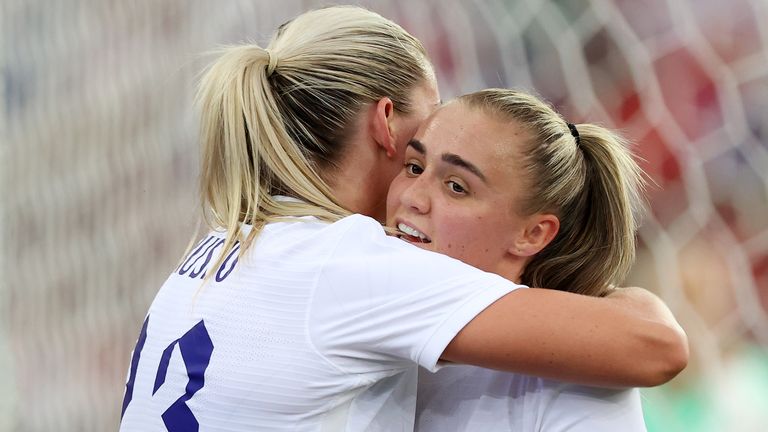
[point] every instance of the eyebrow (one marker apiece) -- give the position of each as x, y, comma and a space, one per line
450, 158
418, 146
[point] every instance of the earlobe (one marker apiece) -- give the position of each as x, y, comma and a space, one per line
383, 113
539, 232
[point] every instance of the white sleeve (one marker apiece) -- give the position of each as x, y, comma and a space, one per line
382, 304
576, 408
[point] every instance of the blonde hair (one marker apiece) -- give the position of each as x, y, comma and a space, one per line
591, 182
275, 121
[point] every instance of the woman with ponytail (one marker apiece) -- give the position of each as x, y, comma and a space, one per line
297, 311
499, 180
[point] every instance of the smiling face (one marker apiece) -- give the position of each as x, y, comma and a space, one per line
458, 190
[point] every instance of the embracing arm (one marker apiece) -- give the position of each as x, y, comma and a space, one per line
629, 338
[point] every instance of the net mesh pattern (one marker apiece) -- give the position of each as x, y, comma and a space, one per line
98, 171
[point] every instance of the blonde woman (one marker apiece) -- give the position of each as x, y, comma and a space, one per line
297, 311
499, 180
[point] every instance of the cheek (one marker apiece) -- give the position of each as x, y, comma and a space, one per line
456, 231
412, 125
393, 196
410, 130
469, 238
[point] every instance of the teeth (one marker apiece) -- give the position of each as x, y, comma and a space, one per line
410, 231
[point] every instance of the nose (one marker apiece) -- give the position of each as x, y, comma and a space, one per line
416, 196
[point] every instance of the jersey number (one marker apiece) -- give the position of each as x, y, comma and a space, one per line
196, 348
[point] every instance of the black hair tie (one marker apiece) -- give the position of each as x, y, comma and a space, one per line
574, 132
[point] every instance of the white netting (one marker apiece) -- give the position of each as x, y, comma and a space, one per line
99, 160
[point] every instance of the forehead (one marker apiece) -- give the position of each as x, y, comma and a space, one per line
472, 134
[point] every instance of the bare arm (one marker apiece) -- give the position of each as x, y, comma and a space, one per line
629, 338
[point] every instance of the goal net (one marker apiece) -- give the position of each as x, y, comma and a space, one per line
98, 171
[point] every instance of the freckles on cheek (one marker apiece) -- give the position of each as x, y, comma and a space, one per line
455, 238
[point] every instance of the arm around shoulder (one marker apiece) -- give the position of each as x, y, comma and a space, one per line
629, 338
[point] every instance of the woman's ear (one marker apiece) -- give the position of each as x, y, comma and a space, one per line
383, 113
538, 233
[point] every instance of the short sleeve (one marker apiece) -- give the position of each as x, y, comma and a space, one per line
382, 304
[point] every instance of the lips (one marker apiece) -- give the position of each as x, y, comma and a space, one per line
411, 234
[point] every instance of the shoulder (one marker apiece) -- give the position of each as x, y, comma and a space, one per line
379, 297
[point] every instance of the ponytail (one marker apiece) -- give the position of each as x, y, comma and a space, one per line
595, 246
275, 121
247, 155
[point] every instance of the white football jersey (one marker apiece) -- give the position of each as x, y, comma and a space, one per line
319, 327
468, 398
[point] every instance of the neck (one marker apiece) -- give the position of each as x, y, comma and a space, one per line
355, 193
511, 268
362, 181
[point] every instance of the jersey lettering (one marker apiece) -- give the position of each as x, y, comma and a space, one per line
196, 264
134, 365
222, 274
196, 349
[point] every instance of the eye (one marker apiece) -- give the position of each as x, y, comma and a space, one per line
413, 169
456, 188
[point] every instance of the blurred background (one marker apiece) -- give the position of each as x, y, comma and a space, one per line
98, 170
